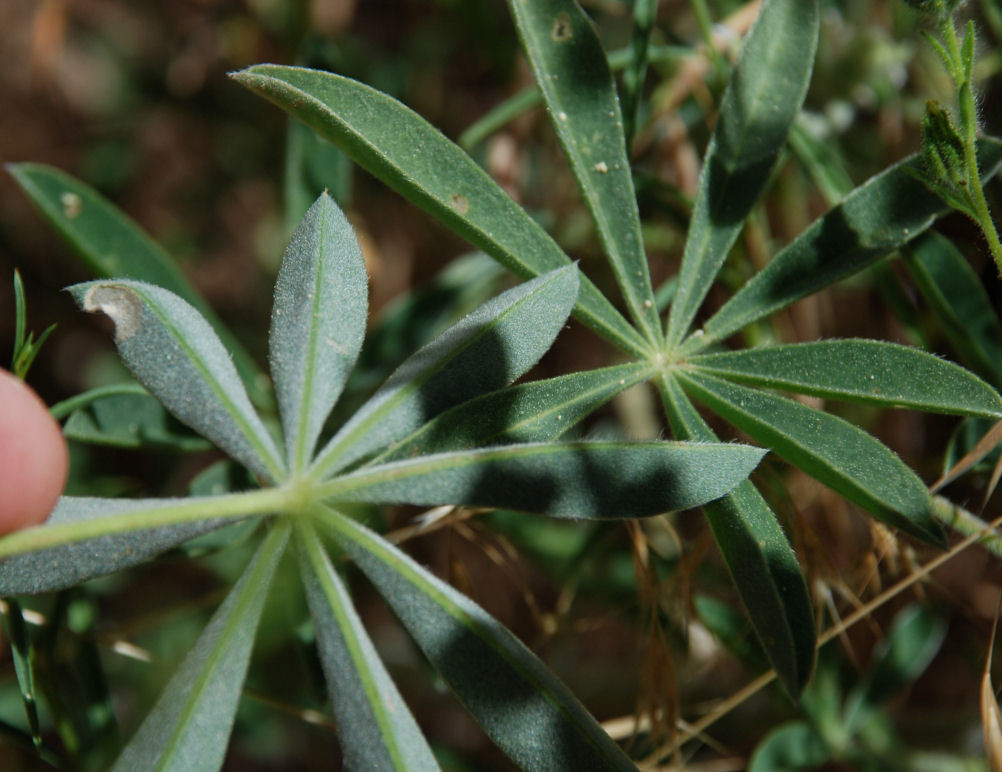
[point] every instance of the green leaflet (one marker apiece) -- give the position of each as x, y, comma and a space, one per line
312, 166
112, 246
960, 302
376, 729
482, 352
877, 218
869, 371
317, 324
841, 455
521, 705
539, 411
130, 421
794, 745
572, 72
175, 354
84, 518
764, 567
415, 159
572, 479
190, 725
644, 16
756, 114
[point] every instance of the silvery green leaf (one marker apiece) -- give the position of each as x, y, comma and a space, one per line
482, 352
175, 354
571, 479
522, 706
189, 727
756, 115
317, 324
539, 411
376, 729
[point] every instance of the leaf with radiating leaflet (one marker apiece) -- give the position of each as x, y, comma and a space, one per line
190, 725
834, 451
317, 324
764, 567
175, 354
524, 708
877, 218
484, 351
574, 77
402, 149
571, 479
756, 114
871, 371
112, 246
376, 729
130, 421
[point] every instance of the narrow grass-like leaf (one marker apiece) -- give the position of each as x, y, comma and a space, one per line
572, 72
112, 246
93, 546
958, 298
22, 651
871, 371
415, 159
189, 727
522, 706
762, 564
130, 421
84, 518
644, 15
539, 411
376, 729
756, 114
175, 354
834, 451
484, 351
317, 324
578, 480
877, 218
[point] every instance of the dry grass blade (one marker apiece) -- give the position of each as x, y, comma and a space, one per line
978, 452
993, 483
991, 718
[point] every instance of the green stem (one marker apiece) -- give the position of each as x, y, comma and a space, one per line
966, 523
705, 22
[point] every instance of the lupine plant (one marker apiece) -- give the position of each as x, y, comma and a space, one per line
445, 429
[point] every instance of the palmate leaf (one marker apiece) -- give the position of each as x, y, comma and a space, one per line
189, 727
317, 324
112, 246
959, 301
570, 67
415, 159
376, 729
539, 411
570, 479
841, 455
762, 564
877, 218
756, 114
87, 537
175, 354
521, 705
870, 371
484, 351
130, 421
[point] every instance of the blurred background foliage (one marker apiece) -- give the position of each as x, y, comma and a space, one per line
133, 98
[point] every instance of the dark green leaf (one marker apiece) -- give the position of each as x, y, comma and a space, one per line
877, 218
312, 166
577, 480
112, 246
868, 371
189, 727
788, 747
402, 149
521, 705
376, 729
834, 451
130, 421
572, 72
762, 564
756, 115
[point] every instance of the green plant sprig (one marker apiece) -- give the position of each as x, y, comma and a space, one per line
950, 153
26, 348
